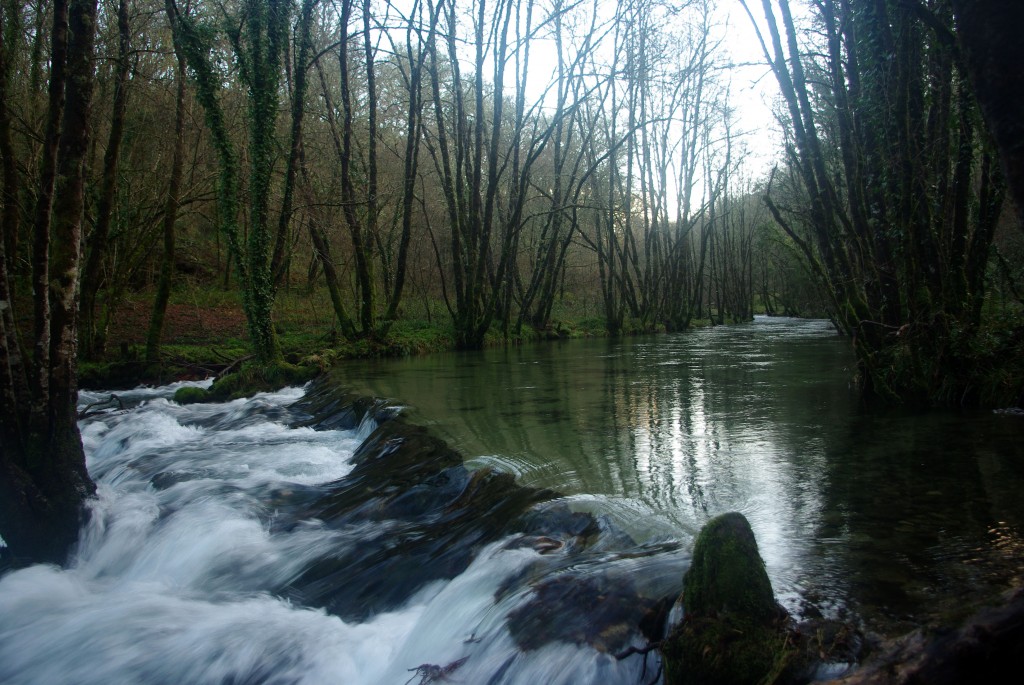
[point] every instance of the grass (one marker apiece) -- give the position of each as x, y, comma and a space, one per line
205, 333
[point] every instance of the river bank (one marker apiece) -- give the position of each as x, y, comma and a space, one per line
205, 336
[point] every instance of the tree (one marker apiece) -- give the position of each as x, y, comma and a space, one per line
43, 479
258, 36
903, 188
483, 160
989, 33
93, 336
170, 218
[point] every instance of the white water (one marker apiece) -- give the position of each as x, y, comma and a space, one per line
172, 584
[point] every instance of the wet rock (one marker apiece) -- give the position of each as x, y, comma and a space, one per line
428, 515
552, 518
601, 611
985, 648
410, 513
727, 575
733, 631
328, 406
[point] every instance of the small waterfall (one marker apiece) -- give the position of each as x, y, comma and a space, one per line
316, 538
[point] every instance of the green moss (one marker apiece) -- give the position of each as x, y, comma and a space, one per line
727, 575
254, 378
191, 395
733, 632
726, 650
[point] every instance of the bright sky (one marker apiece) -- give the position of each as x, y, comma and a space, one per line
754, 87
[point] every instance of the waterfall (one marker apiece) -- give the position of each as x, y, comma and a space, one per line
241, 543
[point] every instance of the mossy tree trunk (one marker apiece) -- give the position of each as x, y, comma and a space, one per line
10, 28
43, 479
257, 35
989, 33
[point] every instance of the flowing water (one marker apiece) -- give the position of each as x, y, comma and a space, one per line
273, 540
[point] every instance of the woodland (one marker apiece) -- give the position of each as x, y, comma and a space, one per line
487, 173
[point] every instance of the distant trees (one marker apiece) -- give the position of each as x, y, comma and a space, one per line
425, 136
503, 162
496, 160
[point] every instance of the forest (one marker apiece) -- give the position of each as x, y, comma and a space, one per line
500, 171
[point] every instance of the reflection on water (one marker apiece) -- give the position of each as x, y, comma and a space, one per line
886, 514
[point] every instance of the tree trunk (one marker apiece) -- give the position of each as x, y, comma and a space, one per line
258, 48
43, 479
414, 132
989, 33
92, 336
280, 260
163, 289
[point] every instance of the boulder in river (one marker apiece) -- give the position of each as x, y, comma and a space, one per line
733, 630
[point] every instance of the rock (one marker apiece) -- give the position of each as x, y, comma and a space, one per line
191, 395
727, 575
603, 612
733, 631
985, 648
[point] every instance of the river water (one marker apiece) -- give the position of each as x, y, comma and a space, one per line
253, 542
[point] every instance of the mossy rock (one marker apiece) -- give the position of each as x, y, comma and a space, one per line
728, 650
252, 379
727, 574
191, 395
248, 381
734, 631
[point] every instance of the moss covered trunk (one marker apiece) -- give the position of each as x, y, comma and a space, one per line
43, 478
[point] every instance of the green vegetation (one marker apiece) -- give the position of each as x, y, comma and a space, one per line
246, 381
206, 333
733, 632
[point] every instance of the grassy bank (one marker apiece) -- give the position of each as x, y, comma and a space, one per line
205, 335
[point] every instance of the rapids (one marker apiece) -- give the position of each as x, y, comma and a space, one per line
196, 552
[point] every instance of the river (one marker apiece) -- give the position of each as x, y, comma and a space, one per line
251, 542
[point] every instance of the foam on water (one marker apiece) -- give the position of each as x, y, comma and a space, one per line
178, 575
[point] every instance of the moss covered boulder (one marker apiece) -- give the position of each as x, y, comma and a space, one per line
733, 632
247, 381
727, 575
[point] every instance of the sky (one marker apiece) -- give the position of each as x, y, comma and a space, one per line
754, 86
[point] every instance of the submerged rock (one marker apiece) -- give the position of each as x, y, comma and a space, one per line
410, 513
604, 612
